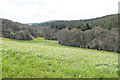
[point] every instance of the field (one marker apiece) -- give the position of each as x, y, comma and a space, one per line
41, 58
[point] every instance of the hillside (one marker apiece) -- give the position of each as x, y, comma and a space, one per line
98, 33
106, 22
15, 30
41, 58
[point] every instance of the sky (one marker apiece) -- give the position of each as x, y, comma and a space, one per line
36, 11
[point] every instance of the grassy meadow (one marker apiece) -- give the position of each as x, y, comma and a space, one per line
41, 58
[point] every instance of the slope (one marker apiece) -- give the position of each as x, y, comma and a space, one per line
46, 59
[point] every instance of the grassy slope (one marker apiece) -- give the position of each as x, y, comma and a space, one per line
47, 59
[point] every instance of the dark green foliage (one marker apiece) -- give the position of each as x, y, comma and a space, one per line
106, 22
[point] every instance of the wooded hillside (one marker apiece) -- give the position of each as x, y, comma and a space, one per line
99, 33
106, 22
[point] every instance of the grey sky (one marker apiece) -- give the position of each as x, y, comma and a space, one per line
32, 11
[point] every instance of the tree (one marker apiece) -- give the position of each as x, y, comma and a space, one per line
88, 27
12, 35
23, 35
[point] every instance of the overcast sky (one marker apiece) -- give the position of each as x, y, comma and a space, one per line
35, 11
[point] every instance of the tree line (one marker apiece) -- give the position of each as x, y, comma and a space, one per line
15, 30
106, 22
99, 33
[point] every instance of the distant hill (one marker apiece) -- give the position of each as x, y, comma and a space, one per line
30, 23
106, 22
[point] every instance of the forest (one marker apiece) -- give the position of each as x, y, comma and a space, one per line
98, 33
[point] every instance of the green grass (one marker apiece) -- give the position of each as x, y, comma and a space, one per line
46, 59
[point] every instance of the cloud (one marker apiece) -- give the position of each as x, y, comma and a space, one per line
27, 11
